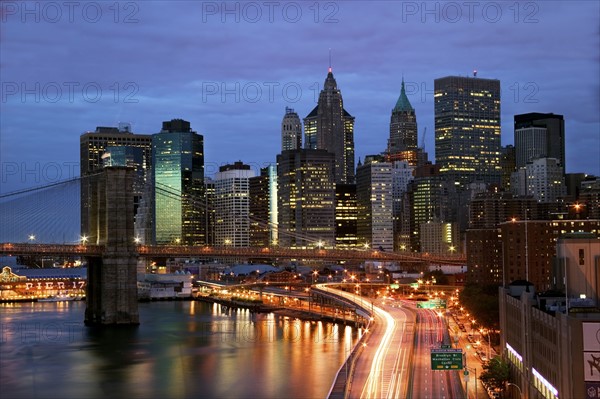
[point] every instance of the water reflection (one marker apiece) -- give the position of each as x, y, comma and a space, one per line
180, 350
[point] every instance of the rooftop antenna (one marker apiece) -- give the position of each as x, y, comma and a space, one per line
330, 59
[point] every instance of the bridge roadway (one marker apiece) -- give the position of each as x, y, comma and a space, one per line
155, 251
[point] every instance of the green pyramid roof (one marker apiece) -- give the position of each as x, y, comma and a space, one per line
403, 104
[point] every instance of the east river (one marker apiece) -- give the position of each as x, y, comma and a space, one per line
181, 349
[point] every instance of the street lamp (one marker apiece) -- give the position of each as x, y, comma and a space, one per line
515, 385
32, 237
84, 240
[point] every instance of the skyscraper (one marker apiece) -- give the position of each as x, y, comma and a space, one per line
291, 131
232, 205
467, 129
375, 225
403, 130
306, 199
539, 136
178, 177
346, 214
112, 145
263, 208
330, 127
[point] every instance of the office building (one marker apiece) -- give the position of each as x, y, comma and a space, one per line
440, 238
306, 198
467, 129
346, 214
232, 205
403, 130
529, 247
291, 131
508, 165
330, 127
542, 178
425, 194
539, 135
375, 226
550, 339
178, 182
263, 208
402, 175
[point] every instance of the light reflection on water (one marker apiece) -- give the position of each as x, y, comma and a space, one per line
180, 350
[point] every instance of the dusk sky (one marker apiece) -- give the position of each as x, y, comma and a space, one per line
232, 68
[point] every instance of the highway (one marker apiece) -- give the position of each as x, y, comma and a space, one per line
382, 370
428, 383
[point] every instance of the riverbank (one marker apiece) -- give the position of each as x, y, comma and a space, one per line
302, 314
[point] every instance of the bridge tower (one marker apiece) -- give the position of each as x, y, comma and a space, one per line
112, 279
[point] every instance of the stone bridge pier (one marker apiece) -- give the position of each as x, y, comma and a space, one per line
111, 297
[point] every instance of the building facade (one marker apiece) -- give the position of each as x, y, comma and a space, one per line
375, 225
542, 178
539, 135
178, 183
467, 129
346, 215
263, 208
330, 127
232, 205
550, 339
529, 248
403, 126
306, 198
291, 131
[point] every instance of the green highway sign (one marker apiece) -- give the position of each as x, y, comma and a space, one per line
394, 286
446, 359
433, 304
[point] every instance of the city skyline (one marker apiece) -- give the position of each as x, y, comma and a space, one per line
206, 64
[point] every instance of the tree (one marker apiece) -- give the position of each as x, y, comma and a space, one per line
482, 302
495, 373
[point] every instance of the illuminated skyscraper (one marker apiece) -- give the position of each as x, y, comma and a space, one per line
330, 127
263, 208
306, 198
232, 205
346, 214
178, 176
467, 129
375, 225
402, 144
291, 131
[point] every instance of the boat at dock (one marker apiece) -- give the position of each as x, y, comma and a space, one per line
57, 298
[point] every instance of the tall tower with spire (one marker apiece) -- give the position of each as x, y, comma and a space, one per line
402, 144
330, 127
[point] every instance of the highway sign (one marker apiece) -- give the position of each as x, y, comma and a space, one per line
446, 359
433, 304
